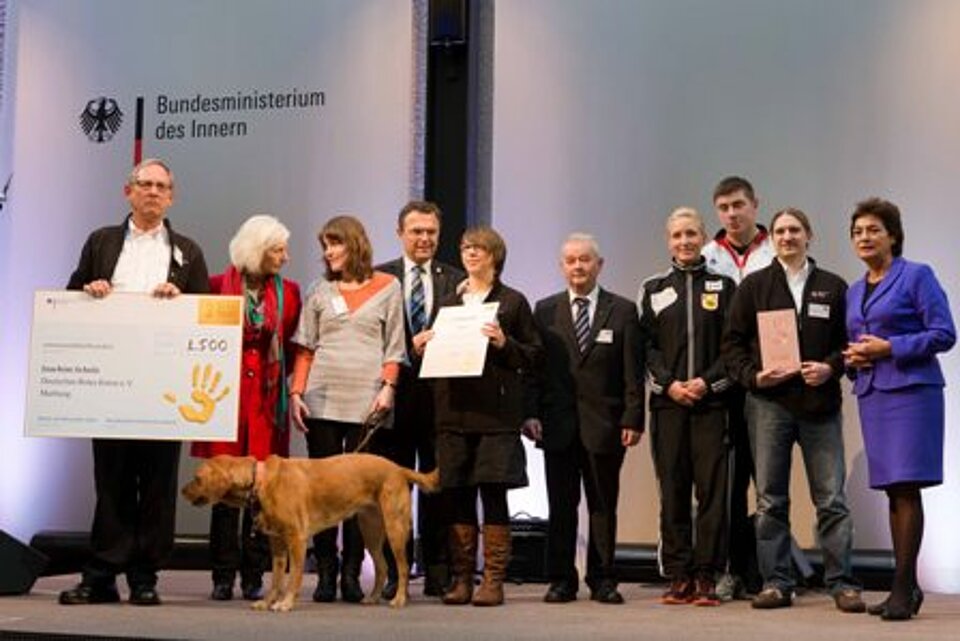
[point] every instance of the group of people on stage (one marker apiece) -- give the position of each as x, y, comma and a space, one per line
569, 374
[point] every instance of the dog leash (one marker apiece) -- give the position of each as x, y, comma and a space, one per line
253, 502
374, 421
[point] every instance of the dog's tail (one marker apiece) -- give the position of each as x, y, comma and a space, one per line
428, 482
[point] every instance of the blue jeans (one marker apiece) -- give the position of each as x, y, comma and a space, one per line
773, 431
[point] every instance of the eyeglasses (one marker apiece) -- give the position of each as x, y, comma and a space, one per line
147, 185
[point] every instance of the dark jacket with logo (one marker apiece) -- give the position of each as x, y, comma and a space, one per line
820, 329
682, 313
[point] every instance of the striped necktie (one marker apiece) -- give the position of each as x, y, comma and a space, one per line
418, 308
581, 324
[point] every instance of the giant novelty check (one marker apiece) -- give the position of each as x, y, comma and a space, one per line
134, 366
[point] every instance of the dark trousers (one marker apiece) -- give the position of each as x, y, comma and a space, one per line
690, 456
329, 438
246, 551
600, 474
412, 443
493, 498
741, 538
133, 523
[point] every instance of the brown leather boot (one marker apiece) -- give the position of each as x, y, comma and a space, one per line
496, 556
463, 560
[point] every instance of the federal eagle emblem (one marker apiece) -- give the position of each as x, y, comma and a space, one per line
100, 119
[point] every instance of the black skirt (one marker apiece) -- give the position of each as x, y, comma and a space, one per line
468, 458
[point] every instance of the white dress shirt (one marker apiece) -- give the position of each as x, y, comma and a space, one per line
796, 281
144, 260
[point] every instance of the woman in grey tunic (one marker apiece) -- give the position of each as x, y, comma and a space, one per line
350, 346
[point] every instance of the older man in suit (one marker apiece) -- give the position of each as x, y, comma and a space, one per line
590, 409
135, 480
412, 441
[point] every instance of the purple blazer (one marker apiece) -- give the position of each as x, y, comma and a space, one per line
909, 309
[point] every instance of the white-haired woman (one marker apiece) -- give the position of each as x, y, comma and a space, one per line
271, 310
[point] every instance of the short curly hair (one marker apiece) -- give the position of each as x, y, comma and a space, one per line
888, 214
256, 235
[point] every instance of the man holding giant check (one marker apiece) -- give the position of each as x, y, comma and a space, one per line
139, 260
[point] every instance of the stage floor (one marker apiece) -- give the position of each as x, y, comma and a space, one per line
187, 613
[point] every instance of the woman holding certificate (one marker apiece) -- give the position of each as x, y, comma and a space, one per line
478, 423
794, 399
898, 320
271, 303
350, 346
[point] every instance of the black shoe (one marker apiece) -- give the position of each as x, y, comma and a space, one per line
323, 593
389, 589
435, 580
222, 592
85, 595
432, 587
560, 593
252, 592
606, 593
350, 590
144, 595
895, 612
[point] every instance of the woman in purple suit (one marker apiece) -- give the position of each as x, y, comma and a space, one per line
898, 320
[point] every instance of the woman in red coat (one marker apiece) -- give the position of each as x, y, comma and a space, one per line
271, 311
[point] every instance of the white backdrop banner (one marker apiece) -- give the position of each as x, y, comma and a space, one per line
298, 108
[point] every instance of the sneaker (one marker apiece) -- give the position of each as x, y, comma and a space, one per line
705, 592
770, 598
849, 600
730, 587
680, 592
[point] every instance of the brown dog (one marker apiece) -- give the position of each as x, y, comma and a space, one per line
298, 497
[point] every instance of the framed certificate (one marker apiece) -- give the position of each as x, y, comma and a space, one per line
779, 343
134, 366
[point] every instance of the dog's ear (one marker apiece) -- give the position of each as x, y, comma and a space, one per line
240, 469
216, 477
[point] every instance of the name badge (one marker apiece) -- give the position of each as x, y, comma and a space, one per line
818, 310
713, 285
605, 336
339, 305
662, 299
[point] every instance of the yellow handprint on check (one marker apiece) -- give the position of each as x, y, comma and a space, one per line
204, 395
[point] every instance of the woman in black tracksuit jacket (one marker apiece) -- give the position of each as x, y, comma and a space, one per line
682, 314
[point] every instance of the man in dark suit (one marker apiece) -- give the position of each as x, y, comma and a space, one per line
590, 409
412, 441
135, 480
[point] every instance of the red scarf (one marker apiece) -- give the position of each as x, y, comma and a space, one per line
274, 379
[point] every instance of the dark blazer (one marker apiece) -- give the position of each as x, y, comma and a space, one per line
494, 401
820, 329
909, 309
98, 259
445, 280
596, 393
